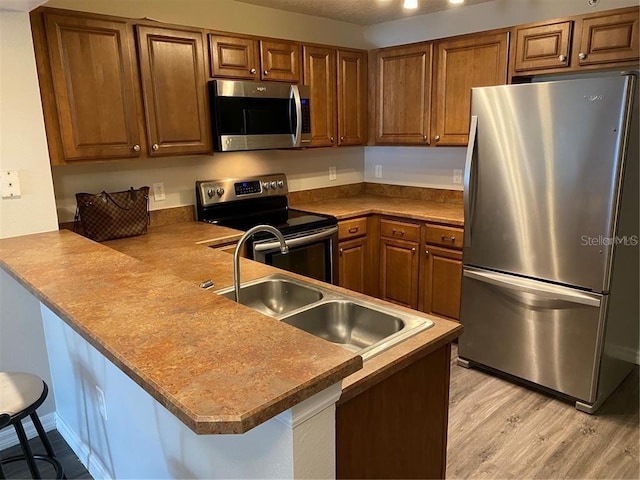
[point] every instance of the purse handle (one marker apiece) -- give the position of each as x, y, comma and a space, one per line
132, 192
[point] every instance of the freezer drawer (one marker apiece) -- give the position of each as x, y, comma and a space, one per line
537, 331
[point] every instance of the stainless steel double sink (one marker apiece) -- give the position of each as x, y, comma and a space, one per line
355, 324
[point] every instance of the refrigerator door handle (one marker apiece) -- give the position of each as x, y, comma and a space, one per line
468, 194
554, 292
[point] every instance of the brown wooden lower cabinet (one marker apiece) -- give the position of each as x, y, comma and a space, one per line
441, 282
398, 427
353, 261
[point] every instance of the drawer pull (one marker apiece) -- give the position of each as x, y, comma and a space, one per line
397, 232
451, 239
353, 229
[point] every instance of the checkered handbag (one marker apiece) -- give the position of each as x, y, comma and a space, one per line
105, 216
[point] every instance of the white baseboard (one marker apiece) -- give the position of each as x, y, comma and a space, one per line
8, 437
95, 467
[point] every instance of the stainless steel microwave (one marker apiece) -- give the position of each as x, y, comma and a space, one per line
259, 116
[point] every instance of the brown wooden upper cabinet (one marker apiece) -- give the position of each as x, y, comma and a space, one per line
543, 46
251, 58
338, 81
92, 99
172, 70
593, 41
463, 63
403, 94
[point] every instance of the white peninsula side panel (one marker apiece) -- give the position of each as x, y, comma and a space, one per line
131, 435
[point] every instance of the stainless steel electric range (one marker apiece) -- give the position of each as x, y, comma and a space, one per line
262, 200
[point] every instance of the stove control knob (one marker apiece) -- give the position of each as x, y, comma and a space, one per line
266, 185
274, 185
219, 191
210, 193
280, 183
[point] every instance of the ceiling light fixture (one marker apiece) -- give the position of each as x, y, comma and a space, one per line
456, 2
410, 4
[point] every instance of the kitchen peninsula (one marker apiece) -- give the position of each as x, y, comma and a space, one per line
215, 365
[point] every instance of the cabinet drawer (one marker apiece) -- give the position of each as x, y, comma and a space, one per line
446, 236
352, 228
400, 230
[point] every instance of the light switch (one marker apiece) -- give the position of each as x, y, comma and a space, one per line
378, 171
158, 192
9, 184
457, 175
332, 173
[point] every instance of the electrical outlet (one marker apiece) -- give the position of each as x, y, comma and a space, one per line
378, 172
9, 184
332, 173
457, 175
158, 192
102, 404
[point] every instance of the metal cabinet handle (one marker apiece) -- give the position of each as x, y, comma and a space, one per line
451, 239
252, 71
413, 250
341, 251
397, 232
332, 139
582, 56
562, 58
136, 148
155, 147
424, 138
426, 252
266, 72
437, 138
353, 229
342, 139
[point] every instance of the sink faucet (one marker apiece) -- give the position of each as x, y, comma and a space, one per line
236, 254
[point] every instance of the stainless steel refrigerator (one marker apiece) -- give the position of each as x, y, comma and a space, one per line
550, 277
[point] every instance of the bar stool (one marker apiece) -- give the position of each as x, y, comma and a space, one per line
20, 395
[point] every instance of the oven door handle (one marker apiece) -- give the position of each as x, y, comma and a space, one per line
295, 242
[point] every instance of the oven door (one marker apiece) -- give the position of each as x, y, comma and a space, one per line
312, 254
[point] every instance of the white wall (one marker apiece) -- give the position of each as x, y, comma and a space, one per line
305, 169
23, 147
431, 166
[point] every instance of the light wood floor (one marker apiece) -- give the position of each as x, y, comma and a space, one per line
501, 430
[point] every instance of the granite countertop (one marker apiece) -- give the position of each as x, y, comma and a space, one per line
366, 204
218, 366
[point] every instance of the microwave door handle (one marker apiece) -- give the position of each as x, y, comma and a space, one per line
295, 242
295, 94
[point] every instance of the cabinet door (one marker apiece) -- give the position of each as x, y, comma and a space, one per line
472, 61
280, 60
609, 39
234, 57
172, 68
403, 94
352, 97
399, 272
542, 47
320, 75
352, 262
93, 68
441, 282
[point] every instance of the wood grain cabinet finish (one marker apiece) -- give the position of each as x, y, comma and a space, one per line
338, 95
252, 58
320, 74
603, 40
93, 87
234, 57
398, 427
352, 97
353, 254
608, 38
399, 262
172, 70
543, 46
280, 61
441, 271
403, 94
462, 64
